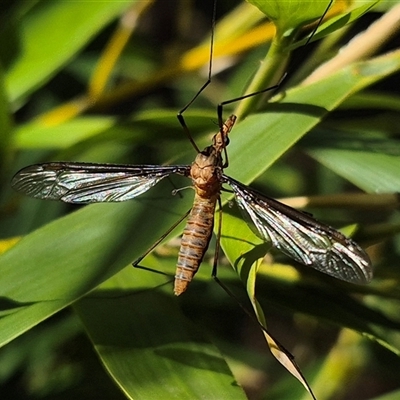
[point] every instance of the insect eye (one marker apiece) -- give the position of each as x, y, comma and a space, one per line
218, 141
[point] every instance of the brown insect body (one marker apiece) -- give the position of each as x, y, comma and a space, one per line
206, 173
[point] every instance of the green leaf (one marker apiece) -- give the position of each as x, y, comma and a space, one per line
51, 34
149, 347
336, 23
290, 14
371, 171
394, 395
246, 256
59, 263
40, 136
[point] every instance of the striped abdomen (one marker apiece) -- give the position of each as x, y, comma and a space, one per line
195, 239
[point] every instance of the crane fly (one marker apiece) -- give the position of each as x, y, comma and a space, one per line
293, 232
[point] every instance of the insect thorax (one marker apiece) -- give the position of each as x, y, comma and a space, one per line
206, 172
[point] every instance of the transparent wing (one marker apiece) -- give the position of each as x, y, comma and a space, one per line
301, 237
83, 183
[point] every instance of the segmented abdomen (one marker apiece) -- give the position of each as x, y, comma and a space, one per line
195, 239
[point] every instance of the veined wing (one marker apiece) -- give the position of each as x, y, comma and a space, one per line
301, 237
83, 183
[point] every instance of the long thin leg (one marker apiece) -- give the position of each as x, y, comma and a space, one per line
245, 310
224, 103
149, 250
218, 241
319, 23
280, 346
221, 105
180, 117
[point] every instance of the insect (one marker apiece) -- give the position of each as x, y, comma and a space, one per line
293, 232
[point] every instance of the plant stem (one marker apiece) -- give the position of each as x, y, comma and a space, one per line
267, 75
